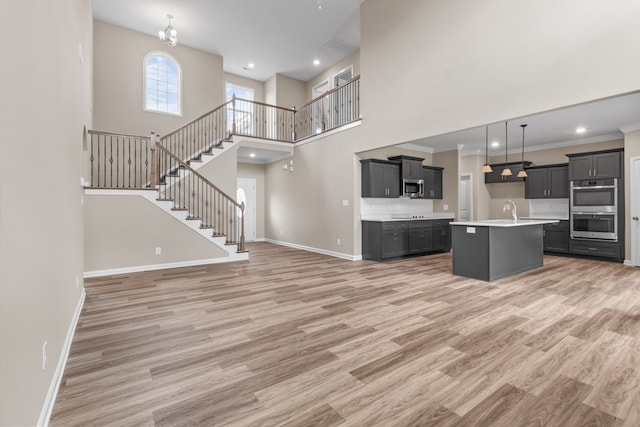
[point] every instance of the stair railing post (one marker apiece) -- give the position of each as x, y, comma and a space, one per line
233, 109
154, 161
242, 207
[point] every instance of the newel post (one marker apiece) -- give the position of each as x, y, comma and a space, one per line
154, 161
242, 207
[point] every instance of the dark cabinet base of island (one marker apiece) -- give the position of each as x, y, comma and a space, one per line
382, 240
490, 253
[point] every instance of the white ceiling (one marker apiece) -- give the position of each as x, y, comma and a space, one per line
278, 36
285, 36
604, 120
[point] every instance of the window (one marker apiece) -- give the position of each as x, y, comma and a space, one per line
242, 115
162, 81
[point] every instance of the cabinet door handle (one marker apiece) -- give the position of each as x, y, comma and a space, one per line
589, 172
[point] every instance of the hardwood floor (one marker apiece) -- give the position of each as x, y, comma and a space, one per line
296, 338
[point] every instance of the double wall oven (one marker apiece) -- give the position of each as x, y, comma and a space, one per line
594, 209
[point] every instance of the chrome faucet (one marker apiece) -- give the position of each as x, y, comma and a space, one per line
514, 213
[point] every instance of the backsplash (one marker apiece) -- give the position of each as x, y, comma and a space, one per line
380, 208
549, 208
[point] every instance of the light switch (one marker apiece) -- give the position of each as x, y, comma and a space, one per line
345, 202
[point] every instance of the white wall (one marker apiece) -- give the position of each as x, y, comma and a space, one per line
45, 103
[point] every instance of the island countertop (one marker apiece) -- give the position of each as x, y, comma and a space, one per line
504, 222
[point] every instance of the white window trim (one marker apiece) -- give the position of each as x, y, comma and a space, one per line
333, 79
144, 83
249, 89
314, 93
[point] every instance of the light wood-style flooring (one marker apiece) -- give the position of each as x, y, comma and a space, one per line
296, 338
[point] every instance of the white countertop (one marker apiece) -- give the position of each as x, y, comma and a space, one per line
407, 217
505, 222
558, 217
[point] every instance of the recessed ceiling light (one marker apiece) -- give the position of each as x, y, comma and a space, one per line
316, 62
495, 144
252, 154
581, 130
251, 65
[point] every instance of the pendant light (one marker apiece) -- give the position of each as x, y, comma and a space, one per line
486, 168
522, 173
506, 171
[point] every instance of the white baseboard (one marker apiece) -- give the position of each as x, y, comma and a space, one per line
628, 262
47, 408
316, 250
140, 268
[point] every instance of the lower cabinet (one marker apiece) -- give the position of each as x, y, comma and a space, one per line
556, 237
595, 248
392, 239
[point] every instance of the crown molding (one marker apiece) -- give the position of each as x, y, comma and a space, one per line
416, 147
630, 128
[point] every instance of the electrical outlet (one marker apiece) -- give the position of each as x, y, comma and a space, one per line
345, 203
282, 232
338, 241
445, 207
158, 250
44, 356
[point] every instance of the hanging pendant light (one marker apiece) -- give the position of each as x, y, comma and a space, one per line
506, 171
486, 168
522, 173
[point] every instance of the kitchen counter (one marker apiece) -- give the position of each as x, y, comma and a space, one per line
408, 217
505, 222
558, 217
492, 249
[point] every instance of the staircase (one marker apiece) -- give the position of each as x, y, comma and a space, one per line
164, 170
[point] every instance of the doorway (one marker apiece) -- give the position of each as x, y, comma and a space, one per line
247, 193
466, 197
635, 211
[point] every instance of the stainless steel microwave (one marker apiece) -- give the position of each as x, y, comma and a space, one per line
413, 188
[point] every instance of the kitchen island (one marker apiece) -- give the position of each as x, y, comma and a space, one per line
492, 249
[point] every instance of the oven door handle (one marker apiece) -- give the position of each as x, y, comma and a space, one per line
597, 187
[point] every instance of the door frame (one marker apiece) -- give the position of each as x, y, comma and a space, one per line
634, 187
252, 216
470, 176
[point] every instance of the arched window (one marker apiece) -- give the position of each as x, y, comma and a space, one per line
162, 81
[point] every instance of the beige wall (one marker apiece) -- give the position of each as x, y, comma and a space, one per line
110, 221
304, 207
118, 105
631, 150
257, 172
481, 196
257, 86
289, 92
445, 78
449, 161
46, 102
270, 92
353, 59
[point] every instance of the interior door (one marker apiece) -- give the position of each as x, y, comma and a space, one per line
466, 198
635, 211
247, 194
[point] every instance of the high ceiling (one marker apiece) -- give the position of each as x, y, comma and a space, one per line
285, 36
277, 36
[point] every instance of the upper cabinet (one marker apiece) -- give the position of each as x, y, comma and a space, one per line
603, 164
496, 176
432, 177
410, 167
380, 178
547, 182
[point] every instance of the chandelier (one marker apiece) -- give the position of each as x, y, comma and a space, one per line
169, 35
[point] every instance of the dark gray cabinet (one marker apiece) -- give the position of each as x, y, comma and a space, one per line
380, 178
420, 237
497, 177
432, 177
547, 182
392, 239
604, 164
556, 237
595, 248
410, 167
441, 235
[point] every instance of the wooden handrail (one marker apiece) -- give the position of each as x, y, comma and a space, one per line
266, 105
196, 119
193, 171
329, 92
97, 132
